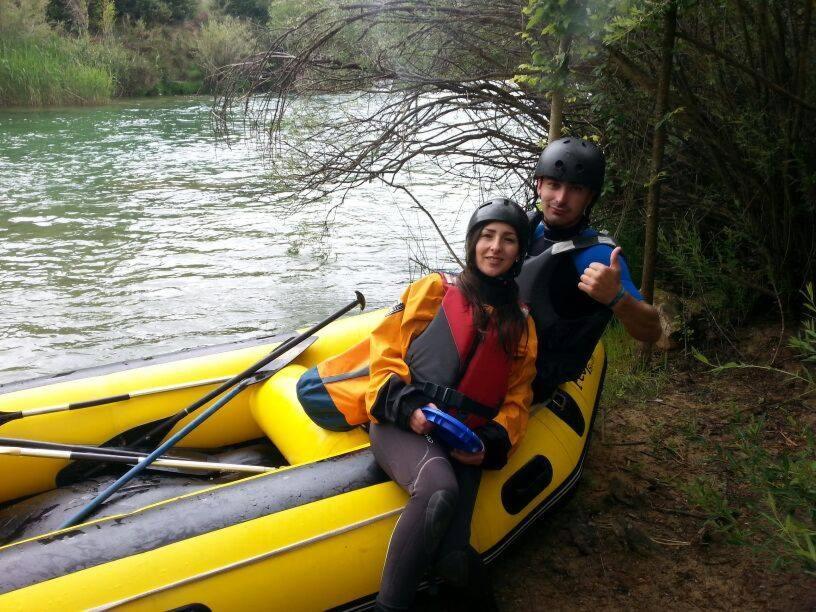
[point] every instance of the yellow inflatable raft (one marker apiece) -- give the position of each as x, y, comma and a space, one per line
309, 534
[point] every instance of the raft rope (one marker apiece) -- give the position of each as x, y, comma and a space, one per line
250, 560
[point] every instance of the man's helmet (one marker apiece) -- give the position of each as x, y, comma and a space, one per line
573, 160
506, 211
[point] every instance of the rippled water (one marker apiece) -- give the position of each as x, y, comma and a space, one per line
129, 230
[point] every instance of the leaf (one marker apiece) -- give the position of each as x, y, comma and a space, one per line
699, 356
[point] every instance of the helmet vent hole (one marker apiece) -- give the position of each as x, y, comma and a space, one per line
566, 142
579, 167
559, 164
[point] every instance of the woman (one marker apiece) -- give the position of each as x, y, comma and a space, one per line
467, 346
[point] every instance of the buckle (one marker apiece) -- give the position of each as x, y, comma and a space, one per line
559, 400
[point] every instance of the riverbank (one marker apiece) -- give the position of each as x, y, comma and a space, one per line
698, 493
42, 65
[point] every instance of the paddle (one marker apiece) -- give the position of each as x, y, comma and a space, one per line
179, 455
239, 383
6, 417
77, 472
198, 466
79, 448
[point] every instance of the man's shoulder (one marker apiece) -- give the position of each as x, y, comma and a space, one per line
599, 246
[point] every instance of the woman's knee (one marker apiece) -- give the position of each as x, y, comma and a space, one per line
437, 488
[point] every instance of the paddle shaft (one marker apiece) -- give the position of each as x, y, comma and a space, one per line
6, 417
240, 386
109, 458
75, 448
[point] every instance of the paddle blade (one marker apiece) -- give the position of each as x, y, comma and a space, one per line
5, 417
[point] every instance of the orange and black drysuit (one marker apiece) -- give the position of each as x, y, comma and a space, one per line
427, 350
421, 342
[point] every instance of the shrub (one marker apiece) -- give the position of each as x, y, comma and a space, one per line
157, 11
23, 18
222, 42
49, 71
256, 10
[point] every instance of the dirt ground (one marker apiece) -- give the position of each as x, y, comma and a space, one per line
631, 538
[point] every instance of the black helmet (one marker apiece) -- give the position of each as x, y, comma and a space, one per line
573, 160
506, 211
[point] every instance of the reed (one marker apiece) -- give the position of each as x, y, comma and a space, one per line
45, 71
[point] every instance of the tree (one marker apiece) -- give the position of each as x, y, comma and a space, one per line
433, 80
450, 82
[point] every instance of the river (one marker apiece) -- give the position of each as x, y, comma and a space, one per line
130, 230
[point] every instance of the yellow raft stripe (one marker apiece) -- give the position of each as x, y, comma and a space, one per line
250, 560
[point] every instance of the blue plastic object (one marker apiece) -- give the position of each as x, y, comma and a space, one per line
452, 432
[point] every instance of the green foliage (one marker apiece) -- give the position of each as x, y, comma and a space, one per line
49, 71
255, 10
708, 494
157, 11
106, 17
223, 41
762, 496
166, 62
708, 269
626, 376
805, 342
23, 18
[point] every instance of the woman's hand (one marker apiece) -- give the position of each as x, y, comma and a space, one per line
468, 458
418, 423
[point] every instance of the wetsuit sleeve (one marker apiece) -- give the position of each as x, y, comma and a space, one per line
391, 397
601, 253
505, 431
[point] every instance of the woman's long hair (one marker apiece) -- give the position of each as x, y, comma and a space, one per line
511, 323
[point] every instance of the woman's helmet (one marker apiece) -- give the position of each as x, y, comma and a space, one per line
506, 211
573, 160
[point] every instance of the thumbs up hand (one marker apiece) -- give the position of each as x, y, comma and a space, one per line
601, 282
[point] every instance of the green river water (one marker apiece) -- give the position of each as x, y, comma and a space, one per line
129, 230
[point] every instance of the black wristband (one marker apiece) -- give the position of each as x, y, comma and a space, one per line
618, 297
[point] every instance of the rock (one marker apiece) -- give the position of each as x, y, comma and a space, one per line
680, 318
623, 491
584, 535
636, 539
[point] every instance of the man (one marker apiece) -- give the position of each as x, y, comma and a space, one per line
576, 287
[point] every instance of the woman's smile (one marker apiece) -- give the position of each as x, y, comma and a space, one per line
496, 249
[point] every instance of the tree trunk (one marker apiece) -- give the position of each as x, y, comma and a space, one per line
658, 145
557, 104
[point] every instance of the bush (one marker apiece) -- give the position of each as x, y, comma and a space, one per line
49, 71
256, 10
157, 11
23, 18
221, 42
707, 270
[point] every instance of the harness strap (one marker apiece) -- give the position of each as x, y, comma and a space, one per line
582, 242
451, 398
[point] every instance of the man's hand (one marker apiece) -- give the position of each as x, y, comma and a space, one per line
601, 282
418, 423
468, 458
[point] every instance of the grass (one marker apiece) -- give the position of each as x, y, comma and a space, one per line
626, 376
48, 71
748, 465
758, 486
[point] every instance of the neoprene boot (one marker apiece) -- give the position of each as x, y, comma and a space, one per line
467, 580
